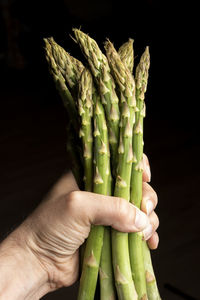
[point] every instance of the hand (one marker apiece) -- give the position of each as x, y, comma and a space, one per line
149, 203
62, 222
52, 234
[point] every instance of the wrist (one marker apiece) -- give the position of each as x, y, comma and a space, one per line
22, 276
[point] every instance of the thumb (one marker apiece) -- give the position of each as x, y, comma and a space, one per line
110, 211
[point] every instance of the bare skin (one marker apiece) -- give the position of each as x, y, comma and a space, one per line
42, 254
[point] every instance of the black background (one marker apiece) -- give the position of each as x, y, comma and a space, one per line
32, 141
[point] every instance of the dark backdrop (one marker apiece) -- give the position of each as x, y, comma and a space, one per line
32, 141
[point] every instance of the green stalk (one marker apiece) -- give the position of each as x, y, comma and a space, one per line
142, 77
100, 69
70, 67
61, 80
85, 105
135, 239
106, 276
139, 251
101, 72
61, 86
107, 287
74, 155
94, 242
152, 288
120, 251
126, 53
107, 283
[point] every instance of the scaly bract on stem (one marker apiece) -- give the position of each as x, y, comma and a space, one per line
126, 53
72, 113
135, 239
139, 259
106, 87
85, 107
126, 85
94, 242
70, 67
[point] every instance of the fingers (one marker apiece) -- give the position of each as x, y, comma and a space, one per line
146, 169
149, 199
90, 208
153, 241
152, 227
106, 210
149, 203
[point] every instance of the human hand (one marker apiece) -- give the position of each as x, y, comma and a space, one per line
149, 203
54, 232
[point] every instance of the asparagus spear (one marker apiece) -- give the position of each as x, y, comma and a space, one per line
73, 148
121, 263
107, 285
101, 72
140, 254
152, 288
85, 105
126, 54
61, 86
100, 185
107, 288
70, 67
100, 69
56, 56
135, 239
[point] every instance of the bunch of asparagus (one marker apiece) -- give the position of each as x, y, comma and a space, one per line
105, 106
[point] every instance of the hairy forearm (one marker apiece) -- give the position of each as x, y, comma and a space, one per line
21, 275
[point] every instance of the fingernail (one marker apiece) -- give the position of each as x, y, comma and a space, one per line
149, 207
141, 220
147, 232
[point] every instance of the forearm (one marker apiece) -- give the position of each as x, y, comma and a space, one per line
21, 275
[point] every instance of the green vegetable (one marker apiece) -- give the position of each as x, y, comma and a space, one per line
61, 86
121, 262
106, 87
70, 67
126, 54
85, 105
106, 276
72, 114
105, 108
135, 239
94, 242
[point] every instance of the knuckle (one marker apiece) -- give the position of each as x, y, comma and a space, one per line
72, 196
151, 194
155, 197
156, 221
157, 237
155, 241
72, 200
145, 158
